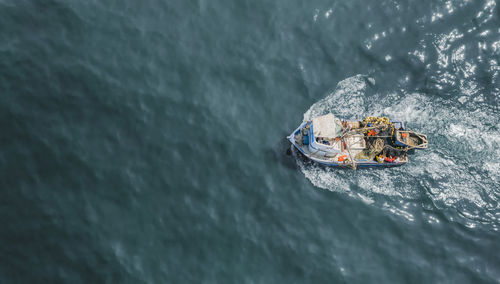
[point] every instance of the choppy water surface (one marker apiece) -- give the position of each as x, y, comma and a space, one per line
455, 175
143, 142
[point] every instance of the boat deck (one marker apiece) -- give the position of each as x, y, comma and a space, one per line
343, 152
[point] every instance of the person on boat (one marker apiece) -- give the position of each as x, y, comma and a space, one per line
380, 158
390, 159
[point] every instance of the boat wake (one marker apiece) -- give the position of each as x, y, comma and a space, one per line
458, 174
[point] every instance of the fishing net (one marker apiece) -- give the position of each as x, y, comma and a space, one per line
372, 150
377, 123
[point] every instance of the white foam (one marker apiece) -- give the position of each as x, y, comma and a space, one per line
345, 101
328, 13
455, 171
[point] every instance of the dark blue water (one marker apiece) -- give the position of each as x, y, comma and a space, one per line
143, 141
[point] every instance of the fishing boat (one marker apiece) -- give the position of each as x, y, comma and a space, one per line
371, 142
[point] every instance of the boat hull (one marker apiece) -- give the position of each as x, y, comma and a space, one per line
329, 163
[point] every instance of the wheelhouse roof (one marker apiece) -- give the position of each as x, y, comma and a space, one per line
327, 126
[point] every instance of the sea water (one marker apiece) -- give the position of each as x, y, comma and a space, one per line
143, 141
